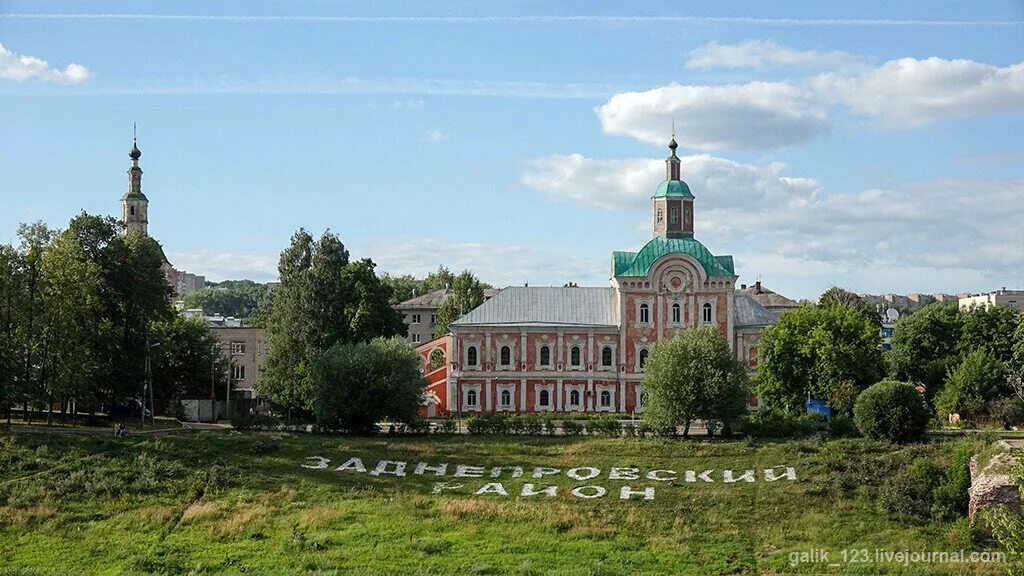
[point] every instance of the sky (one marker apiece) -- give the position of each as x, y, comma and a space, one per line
872, 145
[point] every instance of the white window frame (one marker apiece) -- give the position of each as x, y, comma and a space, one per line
511, 354
238, 372
511, 390
600, 399
638, 399
475, 388
640, 348
237, 348
415, 338
569, 404
640, 313
676, 313
714, 311
576, 365
600, 363
550, 389
465, 356
415, 318
551, 356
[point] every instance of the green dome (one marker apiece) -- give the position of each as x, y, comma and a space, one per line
639, 263
673, 189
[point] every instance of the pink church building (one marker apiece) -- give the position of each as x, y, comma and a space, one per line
576, 349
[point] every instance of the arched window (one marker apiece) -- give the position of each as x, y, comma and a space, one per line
506, 356
574, 398
506, 398
705, 314
643, 358
545, 398
673, 215
606, 356
131, 210
471, 398
471, 356
661, 216
574, 356
677, 313
606, 398
645, 313
545, 356
436, 359
753, 355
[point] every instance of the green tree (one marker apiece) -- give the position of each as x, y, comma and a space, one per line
836, 296
358, 384
467, 293
991, 330
891, 410
437, 280
30, 339
10, 295
369, 308
924, 345
978, 379
822, 351
403, 287
1017, 362
225, 301
693, 376
186, 360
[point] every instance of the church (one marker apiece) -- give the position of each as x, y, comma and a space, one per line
579, 349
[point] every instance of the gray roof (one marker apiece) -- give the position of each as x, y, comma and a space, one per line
521, 305
433, 300
750, 313
768, 298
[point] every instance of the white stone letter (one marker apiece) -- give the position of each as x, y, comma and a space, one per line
691, 476
591, 492
353, 464
463, 471
544, 471
491, 488
583, 473
662, 475
625, 493
771, 476
747, 476
438, 470
382, 468
517, 471
529, 490
319, 462
623, 474
442, 486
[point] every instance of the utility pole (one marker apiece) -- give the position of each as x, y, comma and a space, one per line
213, 382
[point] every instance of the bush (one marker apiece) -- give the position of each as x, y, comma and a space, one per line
447, 426
532, 424
842, 426
241, 422
949, 499
908, 496
572, 428
772, 424
547, 425
891, 410
606, 426
488, 424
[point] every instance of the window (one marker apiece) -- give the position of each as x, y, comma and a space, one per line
131, 210
643, 358
661, 216
237, 372
545, 398
471, 356
688, 216
606, 356
237, 348
606, 399
506, 399
645, 313
673, 215
433, 319
415, 318
677, 313
753, 355
436, 359
574, 356
574, 398
545, 356
415, 338
706, 312
471, 398
506, 356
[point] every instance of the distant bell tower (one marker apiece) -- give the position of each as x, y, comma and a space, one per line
673, 202
134, 204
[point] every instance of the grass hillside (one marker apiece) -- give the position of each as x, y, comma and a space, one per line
212, 503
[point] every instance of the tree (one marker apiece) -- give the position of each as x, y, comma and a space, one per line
322, 300
817, 351
186, 360
467, 293
1017, 362
891, 410
437, 280
990, 329
403, 287
924, 345
971, 385
35, 238
358, 384
693, 375
10, 295
836, 296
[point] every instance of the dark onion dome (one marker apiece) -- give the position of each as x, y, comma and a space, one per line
672, 145
134, 153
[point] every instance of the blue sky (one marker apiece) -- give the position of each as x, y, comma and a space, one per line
873, 145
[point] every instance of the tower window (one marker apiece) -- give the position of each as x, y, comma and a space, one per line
574, 356
661, 216
673, 215
131, 210
606, 356
676, 313
645, 313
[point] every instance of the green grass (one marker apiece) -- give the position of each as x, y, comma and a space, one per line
215, 502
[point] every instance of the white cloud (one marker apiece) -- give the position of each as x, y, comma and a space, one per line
911, 92
21, 68
218, 266
762, 54
962, 231
757, 115
434, 136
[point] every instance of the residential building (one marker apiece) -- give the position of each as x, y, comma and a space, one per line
420, 314
244, 347
185, 283
537, 349
995, 299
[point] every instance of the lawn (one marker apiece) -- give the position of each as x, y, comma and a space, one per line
225, 502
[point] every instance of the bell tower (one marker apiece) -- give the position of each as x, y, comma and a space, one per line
673, 202
134, 204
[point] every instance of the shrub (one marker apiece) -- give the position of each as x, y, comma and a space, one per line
548, 425
891, 410
572, 428
949, 499
241, 422
532, 424
773, 424
606, 426
447, 426
488, 424
970, 385
842, 426
908, 496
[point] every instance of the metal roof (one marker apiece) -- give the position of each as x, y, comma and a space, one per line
542, 306
750, 313
768, 298
639, 263
673, 188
